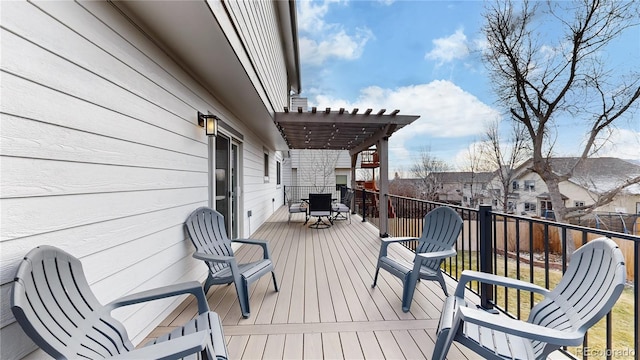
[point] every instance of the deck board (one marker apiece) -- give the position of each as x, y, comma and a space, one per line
326, 307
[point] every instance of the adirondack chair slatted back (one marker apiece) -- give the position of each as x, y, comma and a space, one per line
441, 229
53, 303
207, 232
587, 291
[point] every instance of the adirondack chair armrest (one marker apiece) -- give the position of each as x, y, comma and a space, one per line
470, 275
391, 240
172, 349
520, 328
264, 244
437, 254
386, 241
190, 287
214, 258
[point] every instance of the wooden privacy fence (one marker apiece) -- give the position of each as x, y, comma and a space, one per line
504, 231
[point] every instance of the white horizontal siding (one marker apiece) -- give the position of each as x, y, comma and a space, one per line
256, 24
102, 156
320, 167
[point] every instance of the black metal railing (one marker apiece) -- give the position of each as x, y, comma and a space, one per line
297, 193
529, 249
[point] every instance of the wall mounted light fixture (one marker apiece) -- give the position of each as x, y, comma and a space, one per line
209, 122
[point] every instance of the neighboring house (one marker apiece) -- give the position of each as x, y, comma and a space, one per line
101, 151
459, 188
465, 188
595, 176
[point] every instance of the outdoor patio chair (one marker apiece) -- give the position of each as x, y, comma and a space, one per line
206, 229
53, 303
441, 229
342, 209
319, 207
295, 207
587, 291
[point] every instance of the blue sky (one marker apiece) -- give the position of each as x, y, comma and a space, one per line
423, 58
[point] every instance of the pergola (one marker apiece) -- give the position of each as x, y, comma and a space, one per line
344, 130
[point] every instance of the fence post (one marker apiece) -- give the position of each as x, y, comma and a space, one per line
486, 265
364, 205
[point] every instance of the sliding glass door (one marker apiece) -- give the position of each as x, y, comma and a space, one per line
227, 182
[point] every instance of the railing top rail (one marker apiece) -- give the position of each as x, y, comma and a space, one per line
431, 202
602, 232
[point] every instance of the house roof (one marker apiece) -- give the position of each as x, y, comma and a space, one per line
463, 176
596, 174
338, 130
458, 177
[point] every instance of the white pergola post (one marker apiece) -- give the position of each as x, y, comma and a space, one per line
354, 162
383, 153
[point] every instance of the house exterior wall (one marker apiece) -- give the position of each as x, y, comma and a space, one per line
528, 195
319, 168
102, 155
257, 24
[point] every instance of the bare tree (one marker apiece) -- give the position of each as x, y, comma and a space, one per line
505, 156
542, 78
476, 162
423, 168
317, 167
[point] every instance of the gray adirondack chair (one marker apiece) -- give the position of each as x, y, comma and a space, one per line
206, 229
342, 209
587, 291
53, 303
441, 229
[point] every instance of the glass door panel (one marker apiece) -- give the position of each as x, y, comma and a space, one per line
234, 191
222, 179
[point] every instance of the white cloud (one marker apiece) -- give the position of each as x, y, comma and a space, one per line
310, 15
446, 111
320, 41
338, 45
449, 48
623, 144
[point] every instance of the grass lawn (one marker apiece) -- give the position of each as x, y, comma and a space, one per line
622, 314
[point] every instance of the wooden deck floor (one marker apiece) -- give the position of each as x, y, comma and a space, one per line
326, 307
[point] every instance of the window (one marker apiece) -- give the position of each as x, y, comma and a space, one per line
278, 172
266, 165
341, 180
578, 203
529, 206
515, 185
530, 185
